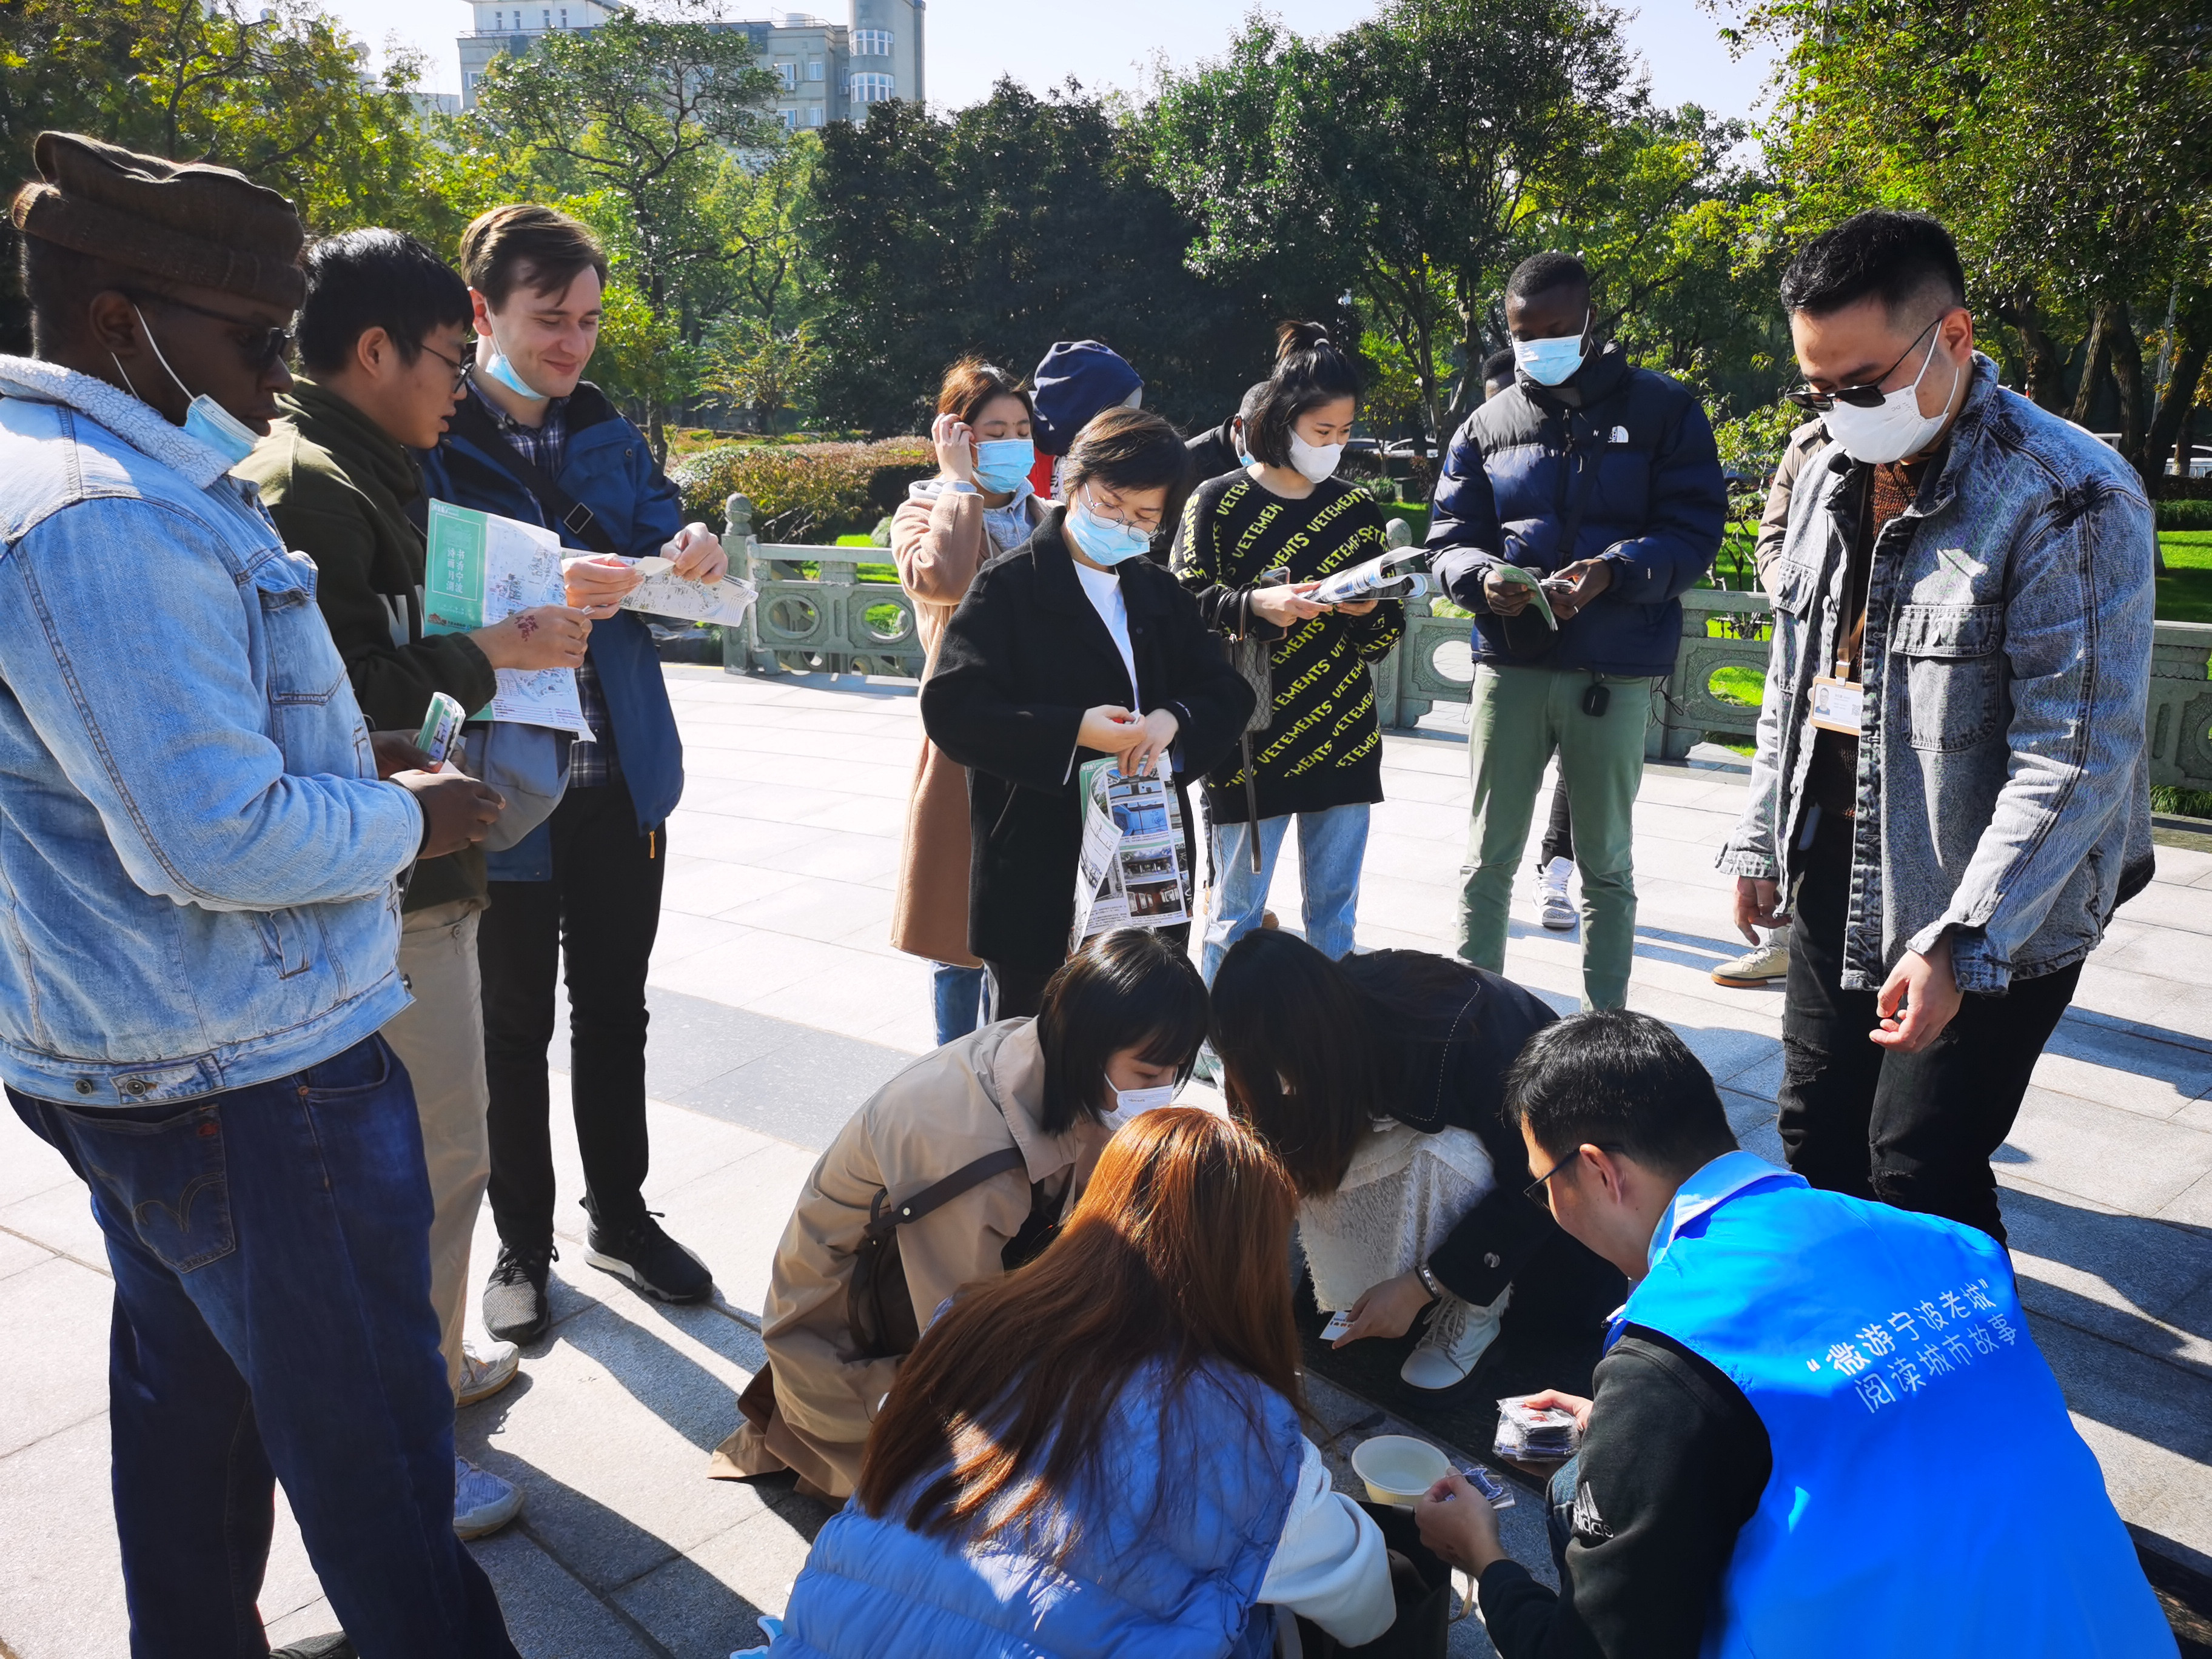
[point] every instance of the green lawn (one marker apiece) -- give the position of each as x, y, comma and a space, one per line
2184, 593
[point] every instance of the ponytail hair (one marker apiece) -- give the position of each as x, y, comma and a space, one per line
1310, 371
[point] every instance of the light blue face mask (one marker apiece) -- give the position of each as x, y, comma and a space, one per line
1550, 362
1106, 540
204, 418
496, 365
1002, 464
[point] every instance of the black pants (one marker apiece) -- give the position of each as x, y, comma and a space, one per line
1016, 992
600, 912
1559, 840
1912, 1130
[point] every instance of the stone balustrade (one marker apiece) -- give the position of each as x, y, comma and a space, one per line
835, 622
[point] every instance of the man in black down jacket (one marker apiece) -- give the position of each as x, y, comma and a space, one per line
1603, 478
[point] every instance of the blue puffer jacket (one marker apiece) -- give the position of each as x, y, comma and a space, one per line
1628, 456
1176, 1538
610, 468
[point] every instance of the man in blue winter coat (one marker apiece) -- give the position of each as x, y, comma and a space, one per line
1600, 478
1821, 1426
535, 440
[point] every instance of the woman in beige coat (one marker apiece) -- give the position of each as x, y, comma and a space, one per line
1117, 1033
979, 505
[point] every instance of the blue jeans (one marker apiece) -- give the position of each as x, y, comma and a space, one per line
958, 993
1332, 845
272, 1321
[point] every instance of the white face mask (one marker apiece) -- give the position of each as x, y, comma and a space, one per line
1127, 1102
1314, 462
1894, 428
1551, 363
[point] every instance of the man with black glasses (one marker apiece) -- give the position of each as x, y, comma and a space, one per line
1951, 753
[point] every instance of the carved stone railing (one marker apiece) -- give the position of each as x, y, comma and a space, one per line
834, 623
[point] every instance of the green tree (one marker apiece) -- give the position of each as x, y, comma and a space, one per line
1011, 224
637, 119
1402, 156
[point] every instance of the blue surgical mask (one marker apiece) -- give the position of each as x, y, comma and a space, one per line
1106, 540
204, 419
1550, 362
1002, 464
494, 363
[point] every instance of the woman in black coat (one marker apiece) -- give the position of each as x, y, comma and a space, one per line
1317, 1055
1034, 678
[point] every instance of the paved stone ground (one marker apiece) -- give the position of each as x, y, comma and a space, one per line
777, 1007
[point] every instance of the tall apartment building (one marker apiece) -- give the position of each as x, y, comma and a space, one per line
829, 72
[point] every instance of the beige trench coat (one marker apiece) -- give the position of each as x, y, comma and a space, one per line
948, 1109
939, 546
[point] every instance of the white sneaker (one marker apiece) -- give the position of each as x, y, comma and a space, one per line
483, 1502
1557, 914
1753, 968
1459, 1335
483, 1374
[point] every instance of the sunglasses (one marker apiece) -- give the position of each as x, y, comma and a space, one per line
1534, 1191
271, 344
1858, 397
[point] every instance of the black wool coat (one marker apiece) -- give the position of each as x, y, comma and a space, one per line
1022, 657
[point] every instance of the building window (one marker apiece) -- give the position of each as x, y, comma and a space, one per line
872, 89
789, 71
814, 68
564, 17
790, 119
814, 116
872, 43
498, 20
548, 16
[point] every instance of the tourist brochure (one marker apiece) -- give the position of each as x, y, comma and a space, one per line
1385, 578
1533, 583
483, 568
664, 594
1129, 873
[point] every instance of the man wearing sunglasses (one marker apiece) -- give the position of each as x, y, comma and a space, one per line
1820, 1426
198, 905
1951, 754
382, 338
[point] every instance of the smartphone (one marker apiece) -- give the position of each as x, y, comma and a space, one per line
441, 729
1339, 1323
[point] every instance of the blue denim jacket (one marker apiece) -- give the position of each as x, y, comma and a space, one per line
198, 864
2003, 788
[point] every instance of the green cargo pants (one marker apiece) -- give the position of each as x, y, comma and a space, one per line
1517, 718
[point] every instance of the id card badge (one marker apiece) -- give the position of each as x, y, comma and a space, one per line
1837, 705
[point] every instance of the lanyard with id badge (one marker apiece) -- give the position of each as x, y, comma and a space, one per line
1838, 699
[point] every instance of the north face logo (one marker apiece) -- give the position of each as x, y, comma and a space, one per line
1588, 1524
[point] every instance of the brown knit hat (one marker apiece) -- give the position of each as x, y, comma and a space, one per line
185, 222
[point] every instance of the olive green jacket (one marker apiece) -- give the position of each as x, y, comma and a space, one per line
338, 487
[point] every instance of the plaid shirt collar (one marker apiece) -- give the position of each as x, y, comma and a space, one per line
546, 445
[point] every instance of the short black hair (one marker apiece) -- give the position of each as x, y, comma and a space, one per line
1622, 1081
1903, 258
1248, 404
1498, 366
1310, 371
1129, 987
1539, 273
367, 279
1126, 448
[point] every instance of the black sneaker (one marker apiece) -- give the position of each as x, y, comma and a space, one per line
515, 1308
639, 1252
336, 1646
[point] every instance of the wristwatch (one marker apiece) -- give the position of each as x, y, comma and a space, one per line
1428, 1279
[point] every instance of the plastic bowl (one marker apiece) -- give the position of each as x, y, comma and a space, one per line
1398, 1470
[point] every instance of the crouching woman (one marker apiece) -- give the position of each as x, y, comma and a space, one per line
1100, 1454
1019, 1111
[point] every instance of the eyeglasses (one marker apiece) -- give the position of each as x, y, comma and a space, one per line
1858, 397
1534, 1193
1090, 501
460, 368
274, 342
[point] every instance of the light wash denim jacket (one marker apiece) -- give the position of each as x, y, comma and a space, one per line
198, 864
2003, 789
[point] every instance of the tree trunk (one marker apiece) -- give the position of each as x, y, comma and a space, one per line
2045, 363
2126, 353
2093, 369
2170, 425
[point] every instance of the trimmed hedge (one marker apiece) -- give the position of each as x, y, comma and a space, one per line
2184, 514
805, 492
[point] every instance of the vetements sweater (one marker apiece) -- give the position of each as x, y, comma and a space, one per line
1324, 746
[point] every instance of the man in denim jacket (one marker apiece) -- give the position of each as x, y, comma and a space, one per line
1951, 749
198, 926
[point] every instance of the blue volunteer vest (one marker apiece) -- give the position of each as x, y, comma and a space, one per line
1929, 1494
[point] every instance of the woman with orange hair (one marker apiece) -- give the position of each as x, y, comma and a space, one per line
1100, 1452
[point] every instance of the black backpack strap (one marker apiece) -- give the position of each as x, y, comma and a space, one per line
471, 421
941, 1192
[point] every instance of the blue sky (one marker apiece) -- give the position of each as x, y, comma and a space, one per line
1042, 42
